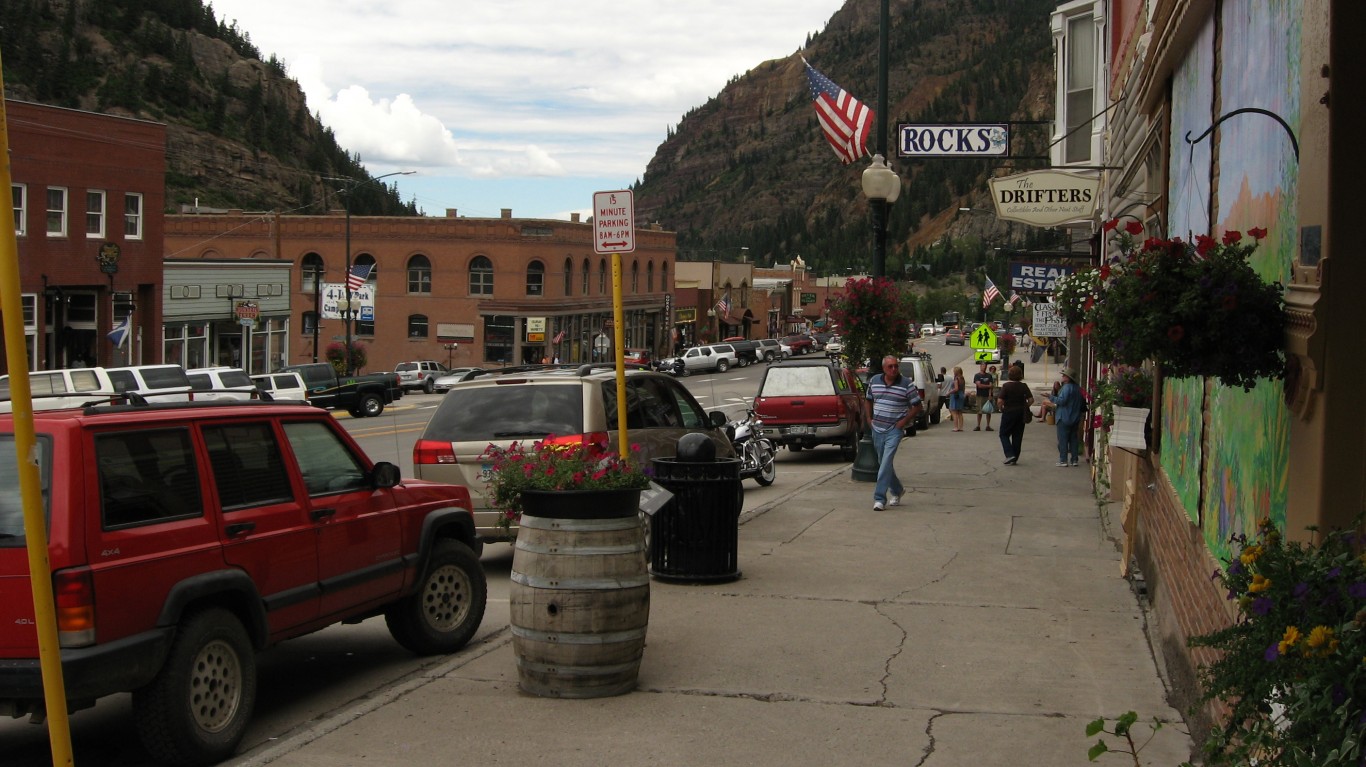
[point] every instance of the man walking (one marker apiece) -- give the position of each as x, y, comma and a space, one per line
984, 382
892, 402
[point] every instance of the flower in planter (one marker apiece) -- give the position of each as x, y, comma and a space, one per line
557, 464
1299, 641
1120, 386
874, 316
1195, 309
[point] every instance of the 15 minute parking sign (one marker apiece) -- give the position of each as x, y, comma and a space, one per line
614, 222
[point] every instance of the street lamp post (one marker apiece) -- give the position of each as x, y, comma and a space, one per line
347, 310
880, 184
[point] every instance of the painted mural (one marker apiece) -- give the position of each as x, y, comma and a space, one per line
1183, 399
1246, 474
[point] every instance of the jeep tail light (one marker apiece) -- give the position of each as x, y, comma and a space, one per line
590, 438
430, 452
73, 592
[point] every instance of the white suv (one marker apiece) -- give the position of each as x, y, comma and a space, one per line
221, 384
920, 369
420, 374
718, 357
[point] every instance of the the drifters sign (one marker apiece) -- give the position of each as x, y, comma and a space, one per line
1045, 197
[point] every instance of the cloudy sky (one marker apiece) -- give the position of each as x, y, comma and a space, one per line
531, 105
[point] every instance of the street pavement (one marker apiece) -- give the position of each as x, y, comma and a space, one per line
983, 622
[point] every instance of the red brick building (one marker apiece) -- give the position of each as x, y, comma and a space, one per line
88, 193
466, 291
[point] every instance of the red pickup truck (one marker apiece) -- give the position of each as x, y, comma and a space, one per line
810, 402
800, 343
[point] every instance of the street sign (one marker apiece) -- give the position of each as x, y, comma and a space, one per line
982, 355
982, 338
614, 222
1048, 321
992, 140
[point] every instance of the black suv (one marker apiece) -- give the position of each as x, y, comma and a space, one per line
186, 537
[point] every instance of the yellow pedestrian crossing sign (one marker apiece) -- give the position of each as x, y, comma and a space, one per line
983, 355
983, 338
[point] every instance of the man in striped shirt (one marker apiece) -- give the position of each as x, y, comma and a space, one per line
892, 402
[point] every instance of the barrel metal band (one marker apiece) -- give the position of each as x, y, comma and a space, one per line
579, 525
581, 551
560, 637
593, 584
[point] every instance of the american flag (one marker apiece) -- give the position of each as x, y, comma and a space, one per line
723, 306
989, 293
358, 275
845, 121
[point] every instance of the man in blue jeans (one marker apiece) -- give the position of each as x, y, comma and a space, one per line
892, 402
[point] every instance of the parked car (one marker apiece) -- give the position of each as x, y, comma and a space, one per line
834, 346
159, 383
919, 367
771, 349
420, 374
699, 359
799, 343
68, 387
359, 395
221, 383
186, 537
953, 337
564, 404
455, 376
806, 403
282, 386
637, 357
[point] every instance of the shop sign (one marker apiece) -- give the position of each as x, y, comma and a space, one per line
808, 298
992, 140
686, 315
1045, 197
1031, 277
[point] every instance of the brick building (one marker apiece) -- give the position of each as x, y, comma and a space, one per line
466, 291
88, 194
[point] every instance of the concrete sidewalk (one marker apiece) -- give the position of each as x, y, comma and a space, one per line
983, 622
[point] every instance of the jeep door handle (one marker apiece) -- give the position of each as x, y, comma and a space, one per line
317, 515
240, 528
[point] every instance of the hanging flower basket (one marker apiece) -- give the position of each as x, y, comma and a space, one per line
1195, 309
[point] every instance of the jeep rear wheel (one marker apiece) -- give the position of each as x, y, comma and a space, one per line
370, 405
445, 611
429, 385
197, 708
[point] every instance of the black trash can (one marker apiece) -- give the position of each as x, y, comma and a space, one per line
695, 537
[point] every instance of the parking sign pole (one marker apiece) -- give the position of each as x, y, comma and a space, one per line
614, 232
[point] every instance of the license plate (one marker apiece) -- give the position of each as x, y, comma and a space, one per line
800, 430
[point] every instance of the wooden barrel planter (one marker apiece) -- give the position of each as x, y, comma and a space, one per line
580, 595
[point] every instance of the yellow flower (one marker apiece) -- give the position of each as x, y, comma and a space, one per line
1250, 555
1259, 583
1321, 638
1292, 635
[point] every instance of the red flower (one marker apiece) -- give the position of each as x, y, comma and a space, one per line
1134, 227
1086, 329
1105, 272
1233, 237
1154, 243
1110, 225
1204, 244
1257, 233
1176, 333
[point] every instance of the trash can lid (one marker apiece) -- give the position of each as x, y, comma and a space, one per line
696, 448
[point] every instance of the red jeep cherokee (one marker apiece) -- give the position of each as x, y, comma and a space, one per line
186, 537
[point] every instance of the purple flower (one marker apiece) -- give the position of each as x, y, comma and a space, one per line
1262, 605
1300, 591
1272, 652
1334, 573
1357, 590
1235, 568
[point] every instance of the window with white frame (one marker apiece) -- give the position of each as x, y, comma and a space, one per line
56, 211
1077, 29
132, 216
20, 194
94, 212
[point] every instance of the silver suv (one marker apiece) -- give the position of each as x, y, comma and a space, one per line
718, 357
420, 374
567, 404
920, 368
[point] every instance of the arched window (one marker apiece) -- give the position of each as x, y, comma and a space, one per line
569, 276
366, 258
311, 272
635, 276
602, 277
535, 278
585, 276
417, 326
419, 274
664, 278
650, 277
481, 276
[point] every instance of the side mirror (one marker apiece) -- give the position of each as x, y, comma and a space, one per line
717, 419
386, 474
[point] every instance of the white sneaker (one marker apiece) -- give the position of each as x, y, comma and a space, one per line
1062, 463
877, 506
893, 499
1074, 462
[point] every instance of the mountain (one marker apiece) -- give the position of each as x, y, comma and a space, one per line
751, 167
239, 134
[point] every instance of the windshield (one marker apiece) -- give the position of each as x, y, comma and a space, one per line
11, 505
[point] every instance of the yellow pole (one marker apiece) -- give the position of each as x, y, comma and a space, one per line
619, 342
26, 454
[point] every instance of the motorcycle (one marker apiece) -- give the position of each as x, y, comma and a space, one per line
755, 451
